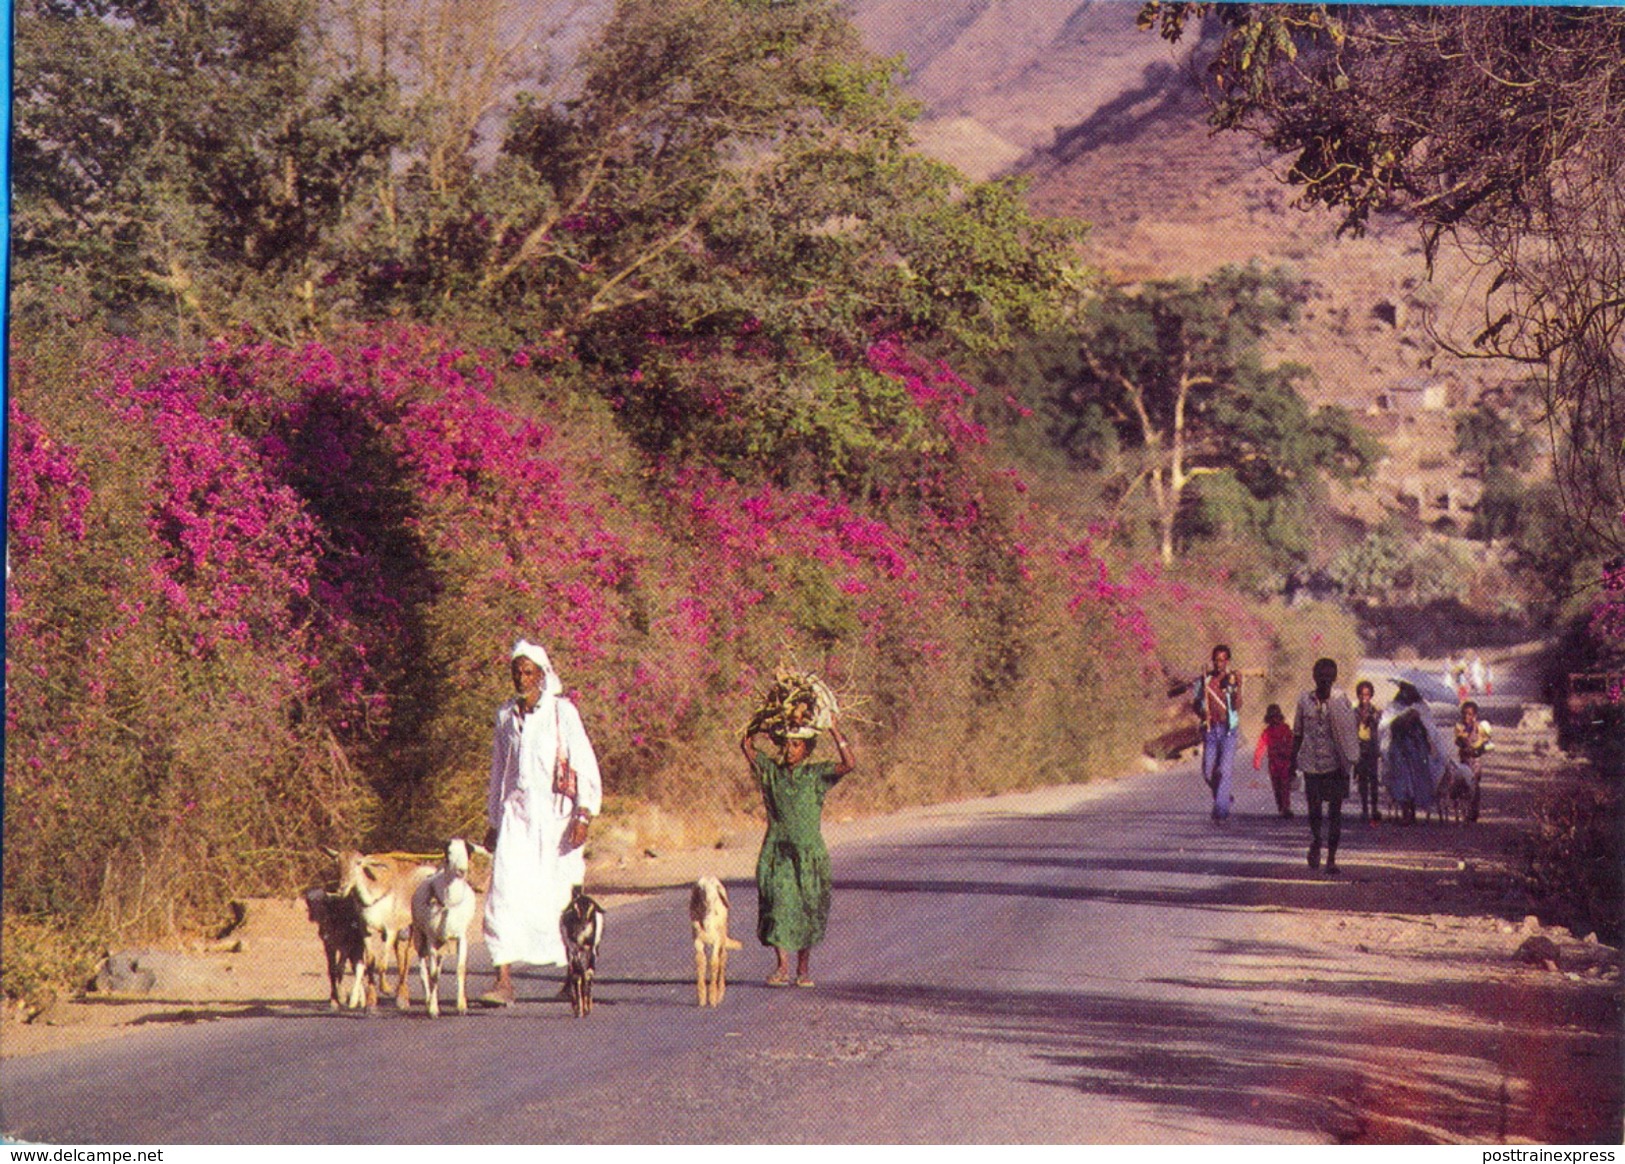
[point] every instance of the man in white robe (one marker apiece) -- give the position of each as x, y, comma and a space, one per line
533, 871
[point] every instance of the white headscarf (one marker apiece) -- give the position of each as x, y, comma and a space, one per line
525, 649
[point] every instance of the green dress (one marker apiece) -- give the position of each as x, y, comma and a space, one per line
793, 872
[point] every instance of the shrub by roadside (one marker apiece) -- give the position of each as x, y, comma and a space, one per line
45, 961
1573, 857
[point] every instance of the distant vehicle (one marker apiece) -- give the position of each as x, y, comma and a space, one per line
1586, 710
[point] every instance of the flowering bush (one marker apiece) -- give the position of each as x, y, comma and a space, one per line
233, 550
934, 387
264, 596
159, 652
1607, 623
427, 493
50, 492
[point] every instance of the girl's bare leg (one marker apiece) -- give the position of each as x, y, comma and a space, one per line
781, 972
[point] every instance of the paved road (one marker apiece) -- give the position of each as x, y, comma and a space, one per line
1113, 968
1021, 978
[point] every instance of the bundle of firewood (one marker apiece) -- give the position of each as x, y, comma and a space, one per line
798, 703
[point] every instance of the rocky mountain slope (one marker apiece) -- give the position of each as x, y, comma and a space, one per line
1106, 122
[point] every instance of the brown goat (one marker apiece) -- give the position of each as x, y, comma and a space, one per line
382, 885
344, 941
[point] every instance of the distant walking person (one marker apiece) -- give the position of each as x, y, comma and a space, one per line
1367, 720
1325, 746
1413, 754
1218, 703
1275, 741
1472, 741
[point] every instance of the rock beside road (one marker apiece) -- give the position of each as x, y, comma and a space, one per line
1540, 951
157, 973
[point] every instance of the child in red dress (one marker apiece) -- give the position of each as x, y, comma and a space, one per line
1275, 741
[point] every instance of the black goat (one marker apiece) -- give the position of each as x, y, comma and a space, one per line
344, 940
582, 927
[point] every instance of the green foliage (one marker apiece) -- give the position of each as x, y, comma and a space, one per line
1337, 444
1271, 533
810, 421
1149, 356
1546, 552
185, 161
1370, 571
1501, 505
817, 609
732, 215
1162, 386
1487, 438
1392, 567
725, 164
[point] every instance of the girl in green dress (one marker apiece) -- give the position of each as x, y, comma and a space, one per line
793, 871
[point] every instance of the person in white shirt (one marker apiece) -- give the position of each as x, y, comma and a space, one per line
1325, 746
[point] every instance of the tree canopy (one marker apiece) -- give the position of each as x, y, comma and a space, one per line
713, 216
1170, 372
724, 218
148, 173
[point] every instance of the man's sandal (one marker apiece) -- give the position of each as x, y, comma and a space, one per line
777, 980
807, 982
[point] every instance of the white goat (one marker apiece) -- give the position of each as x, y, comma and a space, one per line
442, 912
382, 885
708, 910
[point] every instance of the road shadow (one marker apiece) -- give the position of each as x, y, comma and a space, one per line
1417, 1074
1256, 861
193, 1014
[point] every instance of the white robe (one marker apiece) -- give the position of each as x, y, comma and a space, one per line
531, 878
1441, 750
